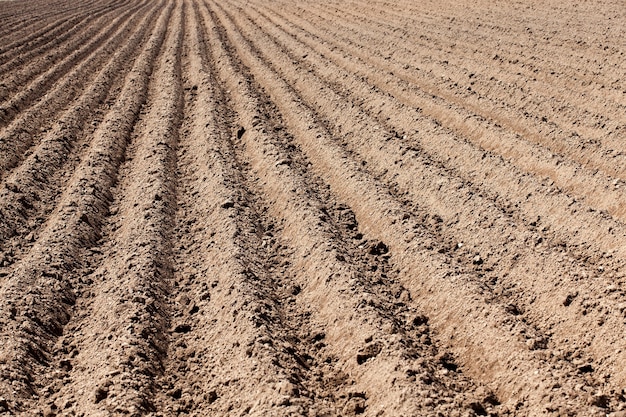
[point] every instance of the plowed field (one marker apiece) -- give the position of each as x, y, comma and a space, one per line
312, 208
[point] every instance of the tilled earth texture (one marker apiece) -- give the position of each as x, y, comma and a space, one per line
312, 208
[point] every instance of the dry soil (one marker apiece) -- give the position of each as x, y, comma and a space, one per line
312, 208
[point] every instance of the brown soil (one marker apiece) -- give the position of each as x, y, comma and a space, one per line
306, 208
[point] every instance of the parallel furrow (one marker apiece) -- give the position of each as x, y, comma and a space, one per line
39, 20
72, 74
31, 190
318, 208
227, 331
441, 290
29, 64
116, 340
348, 305
382, 146
19, 55
30, 90
542, 110
588, 182
37, 298
33, 32
441, 45
453, 152
554, 49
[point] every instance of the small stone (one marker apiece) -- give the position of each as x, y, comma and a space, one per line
569, 298
295, 289
354, 406
284, 401
182, 299
182, 328
600, 400
477, 260
101, 394
370, 351
211, 397
228, 204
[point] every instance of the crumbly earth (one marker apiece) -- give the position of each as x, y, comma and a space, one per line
312, 208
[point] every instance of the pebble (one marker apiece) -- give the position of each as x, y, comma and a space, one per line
100, 394
228, 204
183, 299
211, 397
283, 162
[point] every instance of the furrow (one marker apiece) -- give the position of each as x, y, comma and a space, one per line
16, 20
20, 55
26, 128
475, 88
20, 71
30, 191
34, 34
319, 208
453, 300
60, 30
75, 52
37, 297
342, 281
526, 193
228, 335
116, 341
550, 58
61, 22
594, 186
552, 83
56, 86
471, 218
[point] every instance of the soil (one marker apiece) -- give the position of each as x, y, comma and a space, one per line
312, 208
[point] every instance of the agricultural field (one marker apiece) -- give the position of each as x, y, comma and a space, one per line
312, 208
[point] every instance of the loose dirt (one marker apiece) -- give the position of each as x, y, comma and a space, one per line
325, 208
